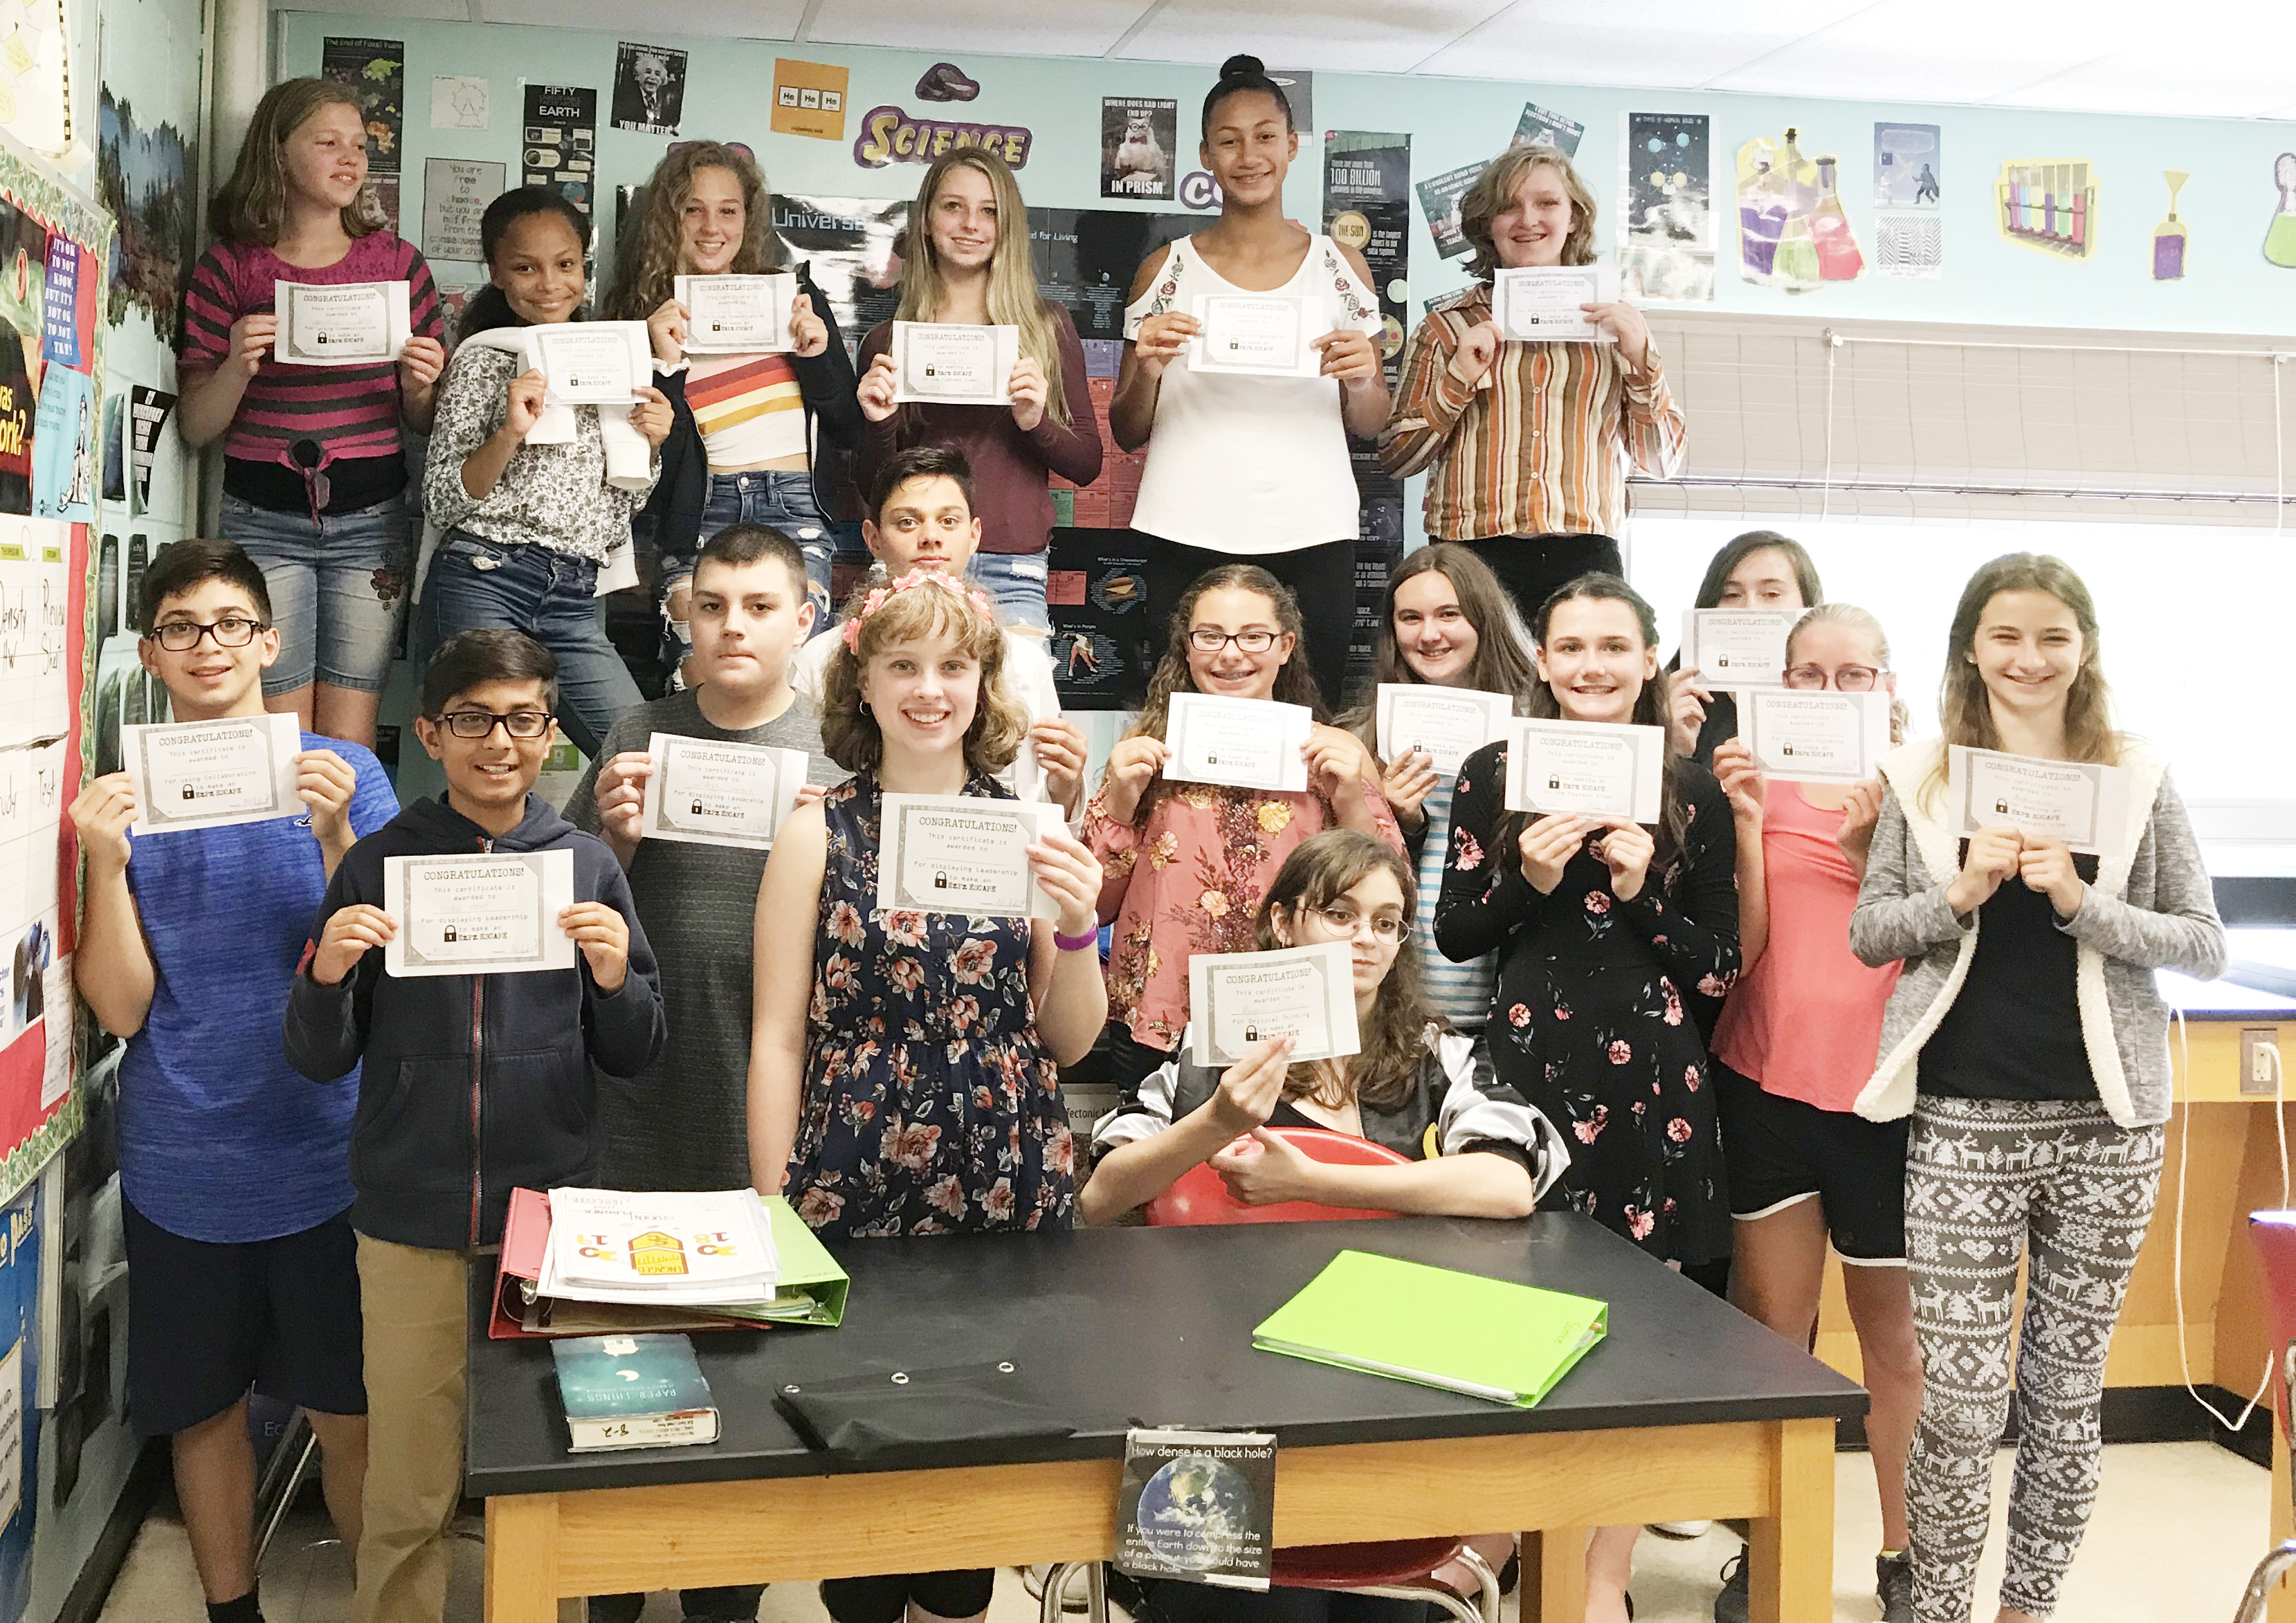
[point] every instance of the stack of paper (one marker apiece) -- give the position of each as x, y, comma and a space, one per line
707, 1249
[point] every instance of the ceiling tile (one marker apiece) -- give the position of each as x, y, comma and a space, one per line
1329, 35
1074, 28
2222, 65
641, 19
1922, 50
435, 11
1673, 44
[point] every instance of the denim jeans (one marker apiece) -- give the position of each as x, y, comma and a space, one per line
782, 500
338, 592
548, 596
1015, 584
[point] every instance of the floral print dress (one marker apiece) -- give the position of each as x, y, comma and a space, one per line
1598, 1012
931, 1105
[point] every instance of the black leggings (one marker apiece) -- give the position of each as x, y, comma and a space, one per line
1175, 1603
1531, 568
886, 1600
735, 1603
1323, 577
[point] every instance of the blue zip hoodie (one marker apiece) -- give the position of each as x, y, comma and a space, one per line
471, 1086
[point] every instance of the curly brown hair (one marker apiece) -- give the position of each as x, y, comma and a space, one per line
656, 236
914, 612
251, 206
1493, 194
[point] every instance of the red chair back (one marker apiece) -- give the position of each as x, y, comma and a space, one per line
1198, 1196
2275, 1234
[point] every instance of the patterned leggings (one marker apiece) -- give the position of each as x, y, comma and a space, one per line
1982, 1178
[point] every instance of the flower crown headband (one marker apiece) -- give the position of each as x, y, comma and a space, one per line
879, 596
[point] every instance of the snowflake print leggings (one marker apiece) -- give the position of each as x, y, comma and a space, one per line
1984, 1178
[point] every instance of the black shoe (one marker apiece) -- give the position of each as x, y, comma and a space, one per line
1893, 1586
1733, 1605
1511, 1574
946, 82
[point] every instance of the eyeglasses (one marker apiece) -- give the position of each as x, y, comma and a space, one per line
525, 724
232, 631
1211, 639
1849, 679
1386, 927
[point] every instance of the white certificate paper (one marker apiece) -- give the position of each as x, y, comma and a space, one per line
592, 363
964, 853
707, 791
1737, 648
1305, 993
1615, 770
338, 324
737, 315
1539, 304
1815, 737
1247, 743
2083, 803
479, 914
952, 362
208, 773
1449, 724
1268, 335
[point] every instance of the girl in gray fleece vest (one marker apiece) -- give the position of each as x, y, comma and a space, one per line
2027, 1041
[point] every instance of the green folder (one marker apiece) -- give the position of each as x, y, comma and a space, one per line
811, 1287
1486, 1338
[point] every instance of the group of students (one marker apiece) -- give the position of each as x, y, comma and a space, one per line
1787, 1013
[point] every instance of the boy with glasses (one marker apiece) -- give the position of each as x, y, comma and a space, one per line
234, 1172
482, 1083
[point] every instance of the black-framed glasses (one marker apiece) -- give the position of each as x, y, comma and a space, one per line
1848, 679
523, 724
1211, 639
232, 631
1387, 927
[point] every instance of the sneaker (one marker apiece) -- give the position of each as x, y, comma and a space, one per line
1681, 1530
1893, 1586
1733, 1604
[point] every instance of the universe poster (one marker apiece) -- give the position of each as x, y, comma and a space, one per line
1665, 216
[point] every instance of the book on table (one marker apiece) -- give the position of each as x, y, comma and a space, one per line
633, 1391
1485, 1338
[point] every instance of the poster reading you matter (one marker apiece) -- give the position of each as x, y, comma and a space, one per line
648, 88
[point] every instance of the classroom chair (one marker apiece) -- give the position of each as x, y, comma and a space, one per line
1402, 1569
2275, 1234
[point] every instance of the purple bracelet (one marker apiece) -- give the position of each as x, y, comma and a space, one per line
1074, 944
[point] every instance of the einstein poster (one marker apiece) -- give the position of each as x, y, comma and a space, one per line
1137, 135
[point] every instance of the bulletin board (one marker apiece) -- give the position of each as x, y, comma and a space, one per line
53, 248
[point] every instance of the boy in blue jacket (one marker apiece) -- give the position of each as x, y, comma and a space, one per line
470, 1085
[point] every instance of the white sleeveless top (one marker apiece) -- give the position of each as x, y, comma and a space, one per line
1244, 464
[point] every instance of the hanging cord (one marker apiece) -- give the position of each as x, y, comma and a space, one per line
1825, 489
2279, 458
2183, 1156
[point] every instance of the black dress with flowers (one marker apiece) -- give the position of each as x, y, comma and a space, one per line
931, 1105
1589, 1022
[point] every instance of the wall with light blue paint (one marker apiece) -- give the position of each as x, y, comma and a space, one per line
2226, 205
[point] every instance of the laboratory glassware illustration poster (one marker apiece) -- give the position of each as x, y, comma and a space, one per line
2170, 237
1794, 234
2280, 238
2049, 205
1666, 214
1908, 211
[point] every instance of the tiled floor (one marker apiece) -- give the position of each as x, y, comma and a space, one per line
2177, 1527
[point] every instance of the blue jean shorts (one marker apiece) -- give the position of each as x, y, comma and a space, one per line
339, 591
1015, 584
779, 499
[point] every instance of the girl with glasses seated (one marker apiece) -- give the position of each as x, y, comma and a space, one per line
1185, 865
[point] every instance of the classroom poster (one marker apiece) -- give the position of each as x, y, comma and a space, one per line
1909, 214
1794, 234
147, 411
1096, 596
59, 331
65, 447
1138, 136
1666, 208
21, 1240
375, 69
459, 100
455, 193
648, 88
1539, 126
561, 146
809, 99
1438, 199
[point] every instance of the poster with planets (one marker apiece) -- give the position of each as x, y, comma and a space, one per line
1666, 208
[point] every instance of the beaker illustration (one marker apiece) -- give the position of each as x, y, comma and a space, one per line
2169, 235
2280, 241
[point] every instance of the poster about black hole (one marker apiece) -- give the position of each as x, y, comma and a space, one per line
648, 88
561, 148
1137, 137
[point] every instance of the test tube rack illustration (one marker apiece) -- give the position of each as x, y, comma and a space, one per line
2050, 205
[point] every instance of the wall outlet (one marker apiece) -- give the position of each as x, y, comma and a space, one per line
2259, 1061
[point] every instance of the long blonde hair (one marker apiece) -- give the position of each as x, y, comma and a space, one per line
251, 205
1855, 618
1014, 300
648, 271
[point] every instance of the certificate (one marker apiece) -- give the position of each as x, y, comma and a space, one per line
737, 315
479, 914
1449, 724
592, 363
1539, 304
952, 362
334, 324
1305, 993
1815, 738
1265, 334
1248, 743
2083, 803
964, 853
1612, 770
1737, 648
208, 773
709, 792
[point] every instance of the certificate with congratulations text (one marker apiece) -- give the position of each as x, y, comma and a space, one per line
1612, 770
592, 363
1815, 737
1305, 993
964, 853
485, 913
1447, 724
1268, 335
1247, 743
941, 363
1541, 304
737, 315
340, 323
1737, 648
208, 774
2083, 803
706, 792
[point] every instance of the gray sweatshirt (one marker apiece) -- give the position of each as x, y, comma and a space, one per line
2151, 908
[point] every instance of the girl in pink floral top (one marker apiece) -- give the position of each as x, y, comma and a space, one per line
1184, 864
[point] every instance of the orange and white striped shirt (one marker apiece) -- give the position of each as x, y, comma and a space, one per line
749, 407
1541, 447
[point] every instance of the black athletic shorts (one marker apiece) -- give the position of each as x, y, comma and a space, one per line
1780, 1151
207, 1323
886, 1600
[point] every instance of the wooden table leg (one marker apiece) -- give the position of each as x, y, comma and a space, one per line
1791, 1555
1553, 1588
522, 1558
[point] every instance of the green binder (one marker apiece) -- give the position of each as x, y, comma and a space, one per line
811, 1289
1486, 1338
